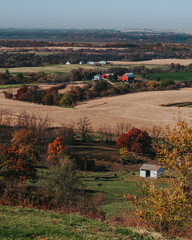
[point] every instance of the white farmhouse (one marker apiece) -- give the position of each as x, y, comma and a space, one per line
103, 62
153, 171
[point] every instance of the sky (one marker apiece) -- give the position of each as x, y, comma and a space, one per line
96, 14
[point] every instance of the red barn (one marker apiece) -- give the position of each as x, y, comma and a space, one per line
107, 75
128, 77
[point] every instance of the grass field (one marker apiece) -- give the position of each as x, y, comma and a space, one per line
63, 68
179, 76
111, 193
25, 224
58, 68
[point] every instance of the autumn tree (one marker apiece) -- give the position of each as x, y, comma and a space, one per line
18, 162
170, 208
56, 150
135, 140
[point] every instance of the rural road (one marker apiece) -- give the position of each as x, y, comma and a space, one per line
141, 110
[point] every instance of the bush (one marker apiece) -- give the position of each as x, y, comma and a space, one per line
166, 83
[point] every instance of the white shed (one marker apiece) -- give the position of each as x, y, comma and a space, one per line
68, 63
153, 171
97, 77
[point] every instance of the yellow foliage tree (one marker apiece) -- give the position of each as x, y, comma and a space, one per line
169, 208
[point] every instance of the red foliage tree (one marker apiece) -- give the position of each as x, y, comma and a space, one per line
20, 91
136, 140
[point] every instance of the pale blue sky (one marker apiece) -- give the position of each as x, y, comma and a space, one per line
165, 14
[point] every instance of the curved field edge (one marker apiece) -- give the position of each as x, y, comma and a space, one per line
143, 109
22, 223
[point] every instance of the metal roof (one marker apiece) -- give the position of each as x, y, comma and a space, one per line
150, 167
129, 74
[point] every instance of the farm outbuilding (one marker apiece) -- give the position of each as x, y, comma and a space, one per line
128, 77
153, 171
103, 62
97, 77
107, 75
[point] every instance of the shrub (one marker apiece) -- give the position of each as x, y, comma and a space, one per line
166, 83
68, 99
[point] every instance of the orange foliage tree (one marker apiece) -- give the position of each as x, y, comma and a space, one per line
18, 162
56, 149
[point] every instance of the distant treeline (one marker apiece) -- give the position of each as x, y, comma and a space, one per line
24, 58
98, 36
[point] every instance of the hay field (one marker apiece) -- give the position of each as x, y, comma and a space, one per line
139, 109
154, 62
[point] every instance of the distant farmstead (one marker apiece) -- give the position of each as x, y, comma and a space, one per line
128, 77
153, 171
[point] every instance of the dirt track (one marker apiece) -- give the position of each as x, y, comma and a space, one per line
138, 109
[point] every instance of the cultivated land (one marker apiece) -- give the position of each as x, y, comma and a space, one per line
139, 109
63, 68
154, 62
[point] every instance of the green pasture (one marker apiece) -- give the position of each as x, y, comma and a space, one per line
178, 76
25, 224
57, 68
63, 68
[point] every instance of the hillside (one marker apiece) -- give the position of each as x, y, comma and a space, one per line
143, 109
20, 223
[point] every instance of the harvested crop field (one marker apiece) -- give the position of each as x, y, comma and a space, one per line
154, 62
139, 109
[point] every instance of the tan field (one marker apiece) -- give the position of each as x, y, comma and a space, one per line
139, 109
184, 62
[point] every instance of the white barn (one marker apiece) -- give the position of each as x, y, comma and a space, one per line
153, 171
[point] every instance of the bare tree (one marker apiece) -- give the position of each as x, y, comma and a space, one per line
122, 127
67, 133
106, 133
84, 127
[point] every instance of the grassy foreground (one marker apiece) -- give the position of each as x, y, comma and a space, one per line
21, 223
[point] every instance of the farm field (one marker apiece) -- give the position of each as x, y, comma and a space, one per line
112, 190
154, 62
141, 110
63, 68
23, 223
178, 76
58, 68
